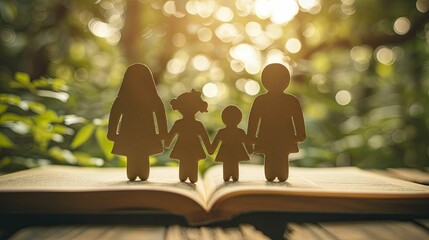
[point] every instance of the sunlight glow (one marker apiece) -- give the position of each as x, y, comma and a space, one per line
179, 40
105, 30
203, 8
239, 84
169, 8
279, 11
249, 56
226, 32
252, 87
276, 56
100, 29
176, 66
308, 4
224, 14
293, 45
274, 31
244, 7
210, 90
253, 29
201, 63
205, 34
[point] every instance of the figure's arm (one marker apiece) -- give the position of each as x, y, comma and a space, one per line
249, 146
298, 120
214, 145
161, 121
253, 124
170, 136
205, 138
115, 115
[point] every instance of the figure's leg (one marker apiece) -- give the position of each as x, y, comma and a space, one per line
144, 168
235, 172
226, 172
132, 167
284, 168
270, 171
182, 171
193, 172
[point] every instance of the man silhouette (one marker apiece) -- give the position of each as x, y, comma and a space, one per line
276, 123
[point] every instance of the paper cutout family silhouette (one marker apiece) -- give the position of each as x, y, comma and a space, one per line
138, 127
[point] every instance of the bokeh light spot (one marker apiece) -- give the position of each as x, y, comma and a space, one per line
252, 87
176, 66
343, 97
224, 14
293, 45
179, 40
201, 63
100, 29
249, 56
385, 55
7, 36
308, 4
283, 11
205, 34
402, 25
253, 29
422, 5
210, 90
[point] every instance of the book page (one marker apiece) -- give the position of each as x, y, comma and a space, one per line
348, 181
81, 179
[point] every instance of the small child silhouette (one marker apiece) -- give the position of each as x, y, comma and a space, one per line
232, 143
188, 149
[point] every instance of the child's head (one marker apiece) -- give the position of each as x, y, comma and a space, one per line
189, 103
275, 77
231, 116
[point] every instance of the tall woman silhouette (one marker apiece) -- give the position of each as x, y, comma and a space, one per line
276, 122
137, 122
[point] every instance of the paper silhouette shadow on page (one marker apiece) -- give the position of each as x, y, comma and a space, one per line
233, 143
137, 122
190, 134
276, 122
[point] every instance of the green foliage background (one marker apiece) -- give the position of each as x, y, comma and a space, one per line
61, 63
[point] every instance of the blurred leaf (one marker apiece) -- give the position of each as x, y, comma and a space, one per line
5, 142
12, 117
82, 135
50, 116
63, 130
3, 108
24, 79
62, 155
104, 143
86, 159
10, 99
54, 84
37, 107
8, 10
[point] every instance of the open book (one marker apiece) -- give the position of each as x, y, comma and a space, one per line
61, 189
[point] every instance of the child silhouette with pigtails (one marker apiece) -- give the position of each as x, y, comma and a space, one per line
233, 144
189, 131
